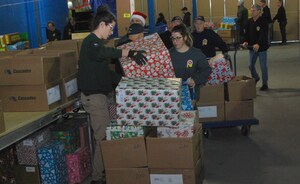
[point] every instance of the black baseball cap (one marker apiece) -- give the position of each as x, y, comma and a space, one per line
199, 18
176, 18
135, 29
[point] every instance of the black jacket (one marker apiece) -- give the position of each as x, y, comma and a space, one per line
280, 16
94, 75
257, 33
166, 38
207, 41
187, 19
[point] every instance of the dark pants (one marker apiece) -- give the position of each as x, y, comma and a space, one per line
282, 26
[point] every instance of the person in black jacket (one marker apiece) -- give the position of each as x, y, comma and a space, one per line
95, 79
53, 34
242, 18
266, 14
166, 36
206, 39
281, 18
161, 19
257, 42
186, 17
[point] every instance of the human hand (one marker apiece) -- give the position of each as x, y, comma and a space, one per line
255, 47
138, 57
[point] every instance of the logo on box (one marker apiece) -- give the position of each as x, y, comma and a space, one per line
10, 72
17, 98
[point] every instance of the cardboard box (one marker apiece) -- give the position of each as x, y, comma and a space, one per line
241, 88
78, 36
64, 45
178, 175
211, 111
127, 175
67, 64
210, 93
10, 53
125, 153
239, 110
31, 98
2, 123
26, 174
173, 152
33, 70
69, 88
228, 40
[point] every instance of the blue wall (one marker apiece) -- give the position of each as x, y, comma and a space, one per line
32, 17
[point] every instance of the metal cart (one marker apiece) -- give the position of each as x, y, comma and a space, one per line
245, 124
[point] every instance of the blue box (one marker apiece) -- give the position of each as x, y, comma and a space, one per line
52, 162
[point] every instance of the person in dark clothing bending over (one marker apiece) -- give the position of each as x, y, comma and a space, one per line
186, 17
189, 63
166, 36
266, 14
69, 29
257, 39
206, 39
281, 18
242, 18
53, 34
95, 80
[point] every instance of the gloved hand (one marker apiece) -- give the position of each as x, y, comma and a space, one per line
138, 57
227, 56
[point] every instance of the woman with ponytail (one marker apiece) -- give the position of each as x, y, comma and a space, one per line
96, 80
189, 63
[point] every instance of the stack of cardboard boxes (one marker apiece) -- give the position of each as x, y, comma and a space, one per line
37, 80
232, 101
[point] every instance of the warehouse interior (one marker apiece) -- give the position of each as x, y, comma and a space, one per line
269, 154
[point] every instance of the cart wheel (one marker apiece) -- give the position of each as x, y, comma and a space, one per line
245, 130
207, 132
76, 110
65, 116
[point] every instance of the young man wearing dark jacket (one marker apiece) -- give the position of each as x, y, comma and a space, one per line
281, 18
257, 38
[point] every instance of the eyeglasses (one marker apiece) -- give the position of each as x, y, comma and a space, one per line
176, 38
111, 27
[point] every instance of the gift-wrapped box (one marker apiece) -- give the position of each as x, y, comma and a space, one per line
186, 101
159, 61
52, 162
148, 101
27, 148
69, 133
188, 117
79, 165
221, 71
179, 131
116, 132
7, 163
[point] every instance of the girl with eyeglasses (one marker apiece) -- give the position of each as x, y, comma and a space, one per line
95, 79
189, 63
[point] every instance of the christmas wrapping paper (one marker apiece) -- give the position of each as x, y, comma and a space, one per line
69, 134
148, 101
186, 101
221, 72
188, 117
159, 63
175, 132
116, 132
79, 165
7, 163
52, 163
27, 149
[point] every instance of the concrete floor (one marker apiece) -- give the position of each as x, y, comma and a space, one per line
271, 153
